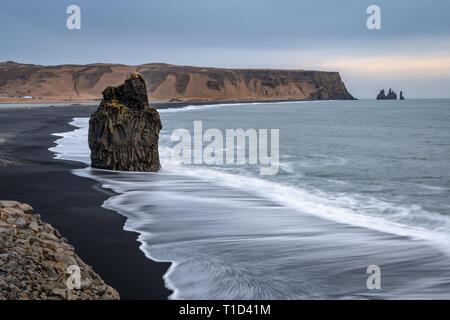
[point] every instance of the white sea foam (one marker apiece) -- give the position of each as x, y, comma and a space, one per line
217, 229
235, 104
343, 208
73, 145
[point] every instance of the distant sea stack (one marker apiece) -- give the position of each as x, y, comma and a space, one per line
79, 83
401, 96
390, 96
124, 131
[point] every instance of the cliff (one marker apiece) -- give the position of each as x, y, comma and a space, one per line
37, 263
78, 83
124, 131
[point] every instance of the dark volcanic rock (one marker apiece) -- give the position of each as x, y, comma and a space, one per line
132, 93
390, 96
381, 95
401, 96
124, 131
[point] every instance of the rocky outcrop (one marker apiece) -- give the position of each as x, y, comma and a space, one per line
381, 95
124, 131
165, 82
390, 96
401, 96
37, 263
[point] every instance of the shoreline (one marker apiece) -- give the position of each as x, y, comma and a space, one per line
68, 202
31, 175
192, 238
170, 105
160, 104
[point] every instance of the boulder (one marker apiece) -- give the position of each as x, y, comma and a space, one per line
124, 131
37, 263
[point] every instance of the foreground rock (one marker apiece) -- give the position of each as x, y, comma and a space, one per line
124, 131
35, 259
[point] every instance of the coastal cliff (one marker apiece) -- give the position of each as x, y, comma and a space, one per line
124, 130
35, 261
81, 83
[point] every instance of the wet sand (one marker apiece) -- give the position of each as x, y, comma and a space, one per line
28, 173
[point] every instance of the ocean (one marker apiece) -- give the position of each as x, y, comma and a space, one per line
360, 183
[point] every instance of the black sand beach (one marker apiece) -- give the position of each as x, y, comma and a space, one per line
29, 174
72, 204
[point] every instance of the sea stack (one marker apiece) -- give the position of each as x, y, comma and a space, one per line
390, 96
381, 95
124, 131
401, 96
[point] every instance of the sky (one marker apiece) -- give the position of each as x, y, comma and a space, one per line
411, 51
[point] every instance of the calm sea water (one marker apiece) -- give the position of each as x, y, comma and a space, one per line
360, 183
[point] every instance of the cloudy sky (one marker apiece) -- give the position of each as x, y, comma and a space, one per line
411, 52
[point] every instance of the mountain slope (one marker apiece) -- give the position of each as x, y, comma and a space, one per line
168, 82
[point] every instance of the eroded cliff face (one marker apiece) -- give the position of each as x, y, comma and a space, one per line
124, 131
169, 82
209, 84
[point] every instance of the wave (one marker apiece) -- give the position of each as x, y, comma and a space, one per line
353, 209
191, 107
345, 208
236, 236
